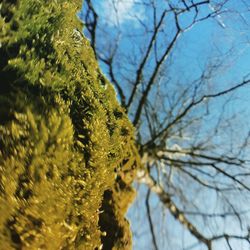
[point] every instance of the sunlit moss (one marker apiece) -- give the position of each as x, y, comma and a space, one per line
64, 140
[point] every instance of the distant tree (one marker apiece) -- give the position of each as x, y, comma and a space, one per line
192, 138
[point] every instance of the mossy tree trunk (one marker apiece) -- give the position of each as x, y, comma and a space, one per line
66, 147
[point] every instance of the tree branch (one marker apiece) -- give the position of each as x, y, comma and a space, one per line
150, 221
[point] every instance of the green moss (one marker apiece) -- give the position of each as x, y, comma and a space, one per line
63, 137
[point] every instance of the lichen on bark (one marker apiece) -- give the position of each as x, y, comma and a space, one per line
67, 153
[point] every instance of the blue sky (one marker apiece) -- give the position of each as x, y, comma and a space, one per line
227, 39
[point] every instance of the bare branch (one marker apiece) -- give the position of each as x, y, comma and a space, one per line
174, 210
192, 105
150, 221
144, 60
152, 78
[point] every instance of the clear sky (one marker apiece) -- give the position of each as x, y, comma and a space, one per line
226, 37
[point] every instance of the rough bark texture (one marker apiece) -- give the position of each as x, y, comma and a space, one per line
67, 153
